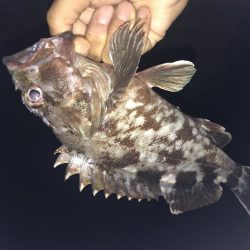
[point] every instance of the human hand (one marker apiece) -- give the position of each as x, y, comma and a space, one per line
94, 21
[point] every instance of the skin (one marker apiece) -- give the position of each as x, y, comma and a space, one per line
143, 147
94, 21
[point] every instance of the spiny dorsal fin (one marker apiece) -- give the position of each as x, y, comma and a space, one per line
122, 182
125, 52
169, 76
215, 132
182, 191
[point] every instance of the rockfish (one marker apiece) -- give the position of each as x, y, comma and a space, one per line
117, 133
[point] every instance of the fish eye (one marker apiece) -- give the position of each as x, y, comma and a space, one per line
34, 96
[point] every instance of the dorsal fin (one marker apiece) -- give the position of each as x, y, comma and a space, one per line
215, 132
125, 52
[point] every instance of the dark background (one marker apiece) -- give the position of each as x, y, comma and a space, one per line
39, 211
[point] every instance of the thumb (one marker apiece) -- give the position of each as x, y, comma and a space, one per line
63, 14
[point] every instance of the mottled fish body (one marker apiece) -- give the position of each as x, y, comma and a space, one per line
117, 133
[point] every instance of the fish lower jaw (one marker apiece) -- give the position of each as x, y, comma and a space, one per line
111, 181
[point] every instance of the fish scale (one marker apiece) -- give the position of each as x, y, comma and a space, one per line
120, 136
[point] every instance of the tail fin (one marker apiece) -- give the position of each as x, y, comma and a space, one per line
240, 185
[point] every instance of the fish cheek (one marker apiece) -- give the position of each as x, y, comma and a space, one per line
53, 98
75, 113
81, 109
54, 74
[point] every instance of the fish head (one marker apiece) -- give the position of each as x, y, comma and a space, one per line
34, 56
53, 87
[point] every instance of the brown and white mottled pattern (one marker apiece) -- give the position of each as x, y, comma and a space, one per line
118, 134
150, 148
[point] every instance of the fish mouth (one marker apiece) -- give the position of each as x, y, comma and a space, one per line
18, 59
36, 52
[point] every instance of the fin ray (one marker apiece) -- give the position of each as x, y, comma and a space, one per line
125, 52
239, 182
215, 132
169, 76
201, 194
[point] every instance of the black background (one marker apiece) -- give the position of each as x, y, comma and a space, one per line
39, 211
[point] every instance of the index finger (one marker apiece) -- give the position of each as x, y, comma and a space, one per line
63, 14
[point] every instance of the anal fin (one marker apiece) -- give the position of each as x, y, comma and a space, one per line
201, 194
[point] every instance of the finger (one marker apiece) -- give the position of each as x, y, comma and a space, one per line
96, 32
123, 13
63, 14
79, 28
175, 9
86, 15
143, 13
100, 3
82, 46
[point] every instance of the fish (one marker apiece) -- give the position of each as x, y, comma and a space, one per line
117, 133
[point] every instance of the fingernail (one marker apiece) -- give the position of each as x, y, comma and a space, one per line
124, 11
143, 12
104, 14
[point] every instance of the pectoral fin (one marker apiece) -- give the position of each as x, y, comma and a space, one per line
125, 52
93, 85
169, 76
